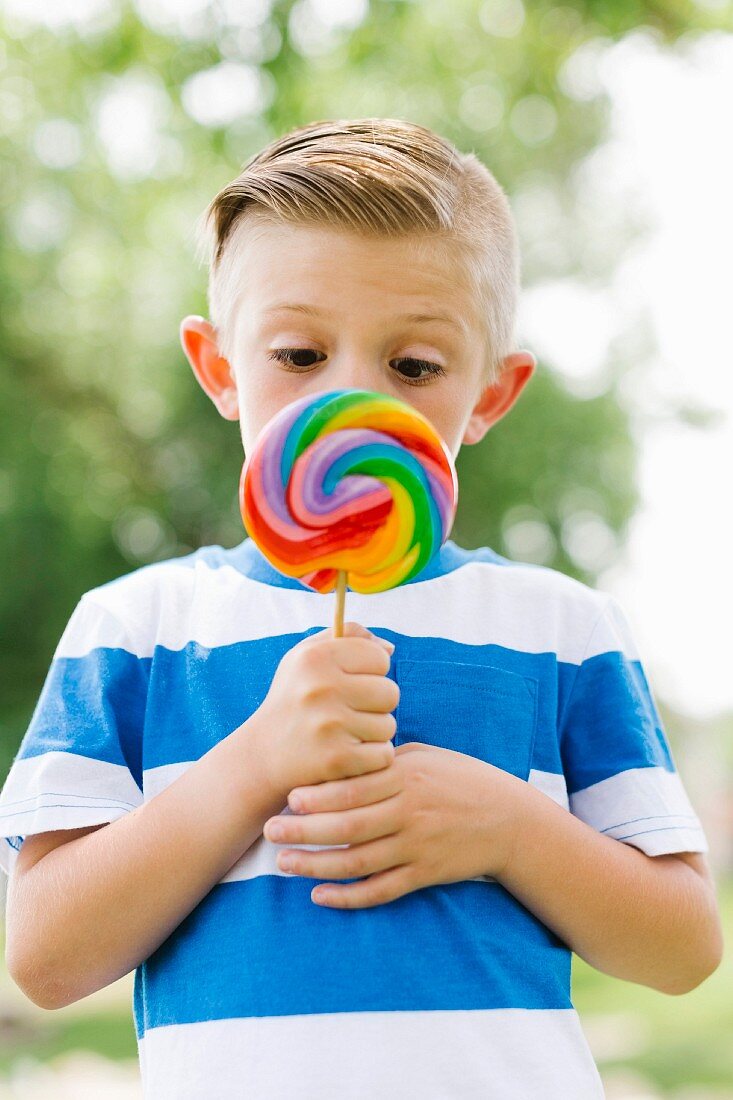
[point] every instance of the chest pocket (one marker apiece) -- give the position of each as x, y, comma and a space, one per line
480, 710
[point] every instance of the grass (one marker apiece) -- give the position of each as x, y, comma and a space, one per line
110, 1034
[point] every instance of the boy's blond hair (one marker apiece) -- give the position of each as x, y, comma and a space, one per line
379, 177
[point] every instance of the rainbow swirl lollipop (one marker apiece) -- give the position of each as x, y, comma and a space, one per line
349, 481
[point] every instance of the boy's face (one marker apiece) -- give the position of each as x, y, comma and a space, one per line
364, 297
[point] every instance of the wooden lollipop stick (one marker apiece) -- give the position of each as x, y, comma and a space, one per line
338, 622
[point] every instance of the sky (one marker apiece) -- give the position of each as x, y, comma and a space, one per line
670, 152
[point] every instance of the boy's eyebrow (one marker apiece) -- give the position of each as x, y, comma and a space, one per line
411, 318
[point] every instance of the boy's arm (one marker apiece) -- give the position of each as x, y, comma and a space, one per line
647, 919
90, 910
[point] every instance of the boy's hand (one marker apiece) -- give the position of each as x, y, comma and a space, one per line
433, 816
327, 713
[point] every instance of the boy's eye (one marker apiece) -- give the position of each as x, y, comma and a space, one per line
294, 357
414, 366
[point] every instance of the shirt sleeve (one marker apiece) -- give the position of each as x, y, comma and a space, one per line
80, 761
619, 770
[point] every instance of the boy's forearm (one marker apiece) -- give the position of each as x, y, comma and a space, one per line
102, 903
651, 920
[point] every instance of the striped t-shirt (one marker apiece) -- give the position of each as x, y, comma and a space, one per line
452, 992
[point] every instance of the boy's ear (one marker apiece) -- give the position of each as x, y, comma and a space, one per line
215, 376
496, 400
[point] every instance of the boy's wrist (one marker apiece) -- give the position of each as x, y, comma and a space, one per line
252, 739
520, 808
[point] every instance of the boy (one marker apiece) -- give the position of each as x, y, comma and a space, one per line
197, 705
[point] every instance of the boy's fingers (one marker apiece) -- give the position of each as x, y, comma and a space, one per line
373, 693
356, 630
352, 627
357, 655
351, 630
366, 727
346, 794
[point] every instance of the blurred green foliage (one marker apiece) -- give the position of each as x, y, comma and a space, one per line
110, 455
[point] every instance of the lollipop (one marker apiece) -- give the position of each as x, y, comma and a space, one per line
349, 487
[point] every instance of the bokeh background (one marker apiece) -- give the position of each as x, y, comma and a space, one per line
608, 124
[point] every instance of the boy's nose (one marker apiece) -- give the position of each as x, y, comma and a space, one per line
358, 374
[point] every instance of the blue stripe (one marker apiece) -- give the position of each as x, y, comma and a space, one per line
94, 706
192, 704
498, 704
611, 723
261, 947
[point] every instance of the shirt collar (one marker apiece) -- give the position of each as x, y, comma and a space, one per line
249, 559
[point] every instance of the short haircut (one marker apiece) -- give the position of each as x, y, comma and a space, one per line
380, 177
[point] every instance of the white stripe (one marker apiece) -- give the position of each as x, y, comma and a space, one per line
61, 790
260, 858
481, 1054
529, 610
552, 784
646, 807
612, 632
